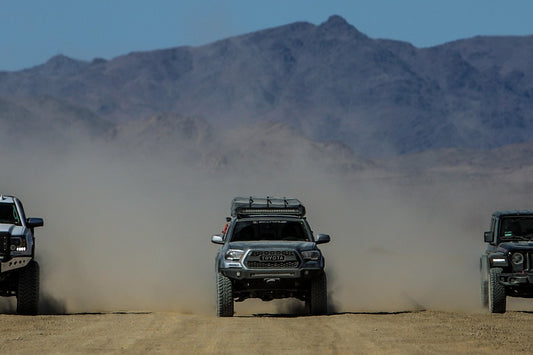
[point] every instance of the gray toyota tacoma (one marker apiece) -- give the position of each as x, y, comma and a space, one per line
269, 252
507, 263
19, 272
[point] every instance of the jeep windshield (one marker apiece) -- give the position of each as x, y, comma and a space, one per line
517, 228
264, 230
8, 214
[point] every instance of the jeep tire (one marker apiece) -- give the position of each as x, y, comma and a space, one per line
317, 302
28, 289
496, 295
224, 296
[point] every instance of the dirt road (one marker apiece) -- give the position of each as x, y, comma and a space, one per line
138, 332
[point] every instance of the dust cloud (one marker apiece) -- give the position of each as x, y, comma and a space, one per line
128, 233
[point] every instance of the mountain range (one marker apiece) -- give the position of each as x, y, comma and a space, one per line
326, 83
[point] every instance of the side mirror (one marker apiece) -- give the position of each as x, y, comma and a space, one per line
322, 238
217, 239
34, 222
487, 236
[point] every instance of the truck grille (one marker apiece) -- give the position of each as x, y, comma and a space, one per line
272, 265
272, 259
5, 247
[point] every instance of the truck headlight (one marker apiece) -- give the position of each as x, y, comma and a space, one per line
517, 258
234, 254
18, 244
311, 255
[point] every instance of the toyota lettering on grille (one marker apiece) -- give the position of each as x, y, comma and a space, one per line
272, 258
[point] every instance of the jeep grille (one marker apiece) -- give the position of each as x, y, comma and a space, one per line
527, 265
272, 259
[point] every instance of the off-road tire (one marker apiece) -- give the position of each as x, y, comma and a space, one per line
317, 302
496, 295
28, 289
484, 293
224, 296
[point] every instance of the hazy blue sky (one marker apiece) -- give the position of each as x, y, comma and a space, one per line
33, 31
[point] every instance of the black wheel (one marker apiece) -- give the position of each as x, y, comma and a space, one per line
496, 295
224, 296
484, 293
317, 302
28, 289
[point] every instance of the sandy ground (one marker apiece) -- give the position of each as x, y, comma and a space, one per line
420, 332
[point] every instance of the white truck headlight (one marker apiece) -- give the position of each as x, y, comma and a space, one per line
311, 255
18, 244
234, 254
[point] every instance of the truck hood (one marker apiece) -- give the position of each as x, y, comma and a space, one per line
11, 229
273, 245
516, 246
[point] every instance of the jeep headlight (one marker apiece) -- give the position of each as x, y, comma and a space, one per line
311, 255
517, 258
234, 254
497, 261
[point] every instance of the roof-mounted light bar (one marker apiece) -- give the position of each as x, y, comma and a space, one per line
250, 211
247, 206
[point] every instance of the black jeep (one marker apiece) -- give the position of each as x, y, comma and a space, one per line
269, 252
507, 263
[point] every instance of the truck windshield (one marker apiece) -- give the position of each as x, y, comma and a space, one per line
8, 214
269, 230
517, 228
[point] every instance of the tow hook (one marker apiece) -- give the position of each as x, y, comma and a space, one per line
269, 281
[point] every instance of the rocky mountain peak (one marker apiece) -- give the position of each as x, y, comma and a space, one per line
61, 64
337, 25
336, 21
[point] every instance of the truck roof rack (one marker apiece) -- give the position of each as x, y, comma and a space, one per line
269, 205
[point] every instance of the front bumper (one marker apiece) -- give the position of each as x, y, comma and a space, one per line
242, 274
16, 262
516, 279
237, 270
